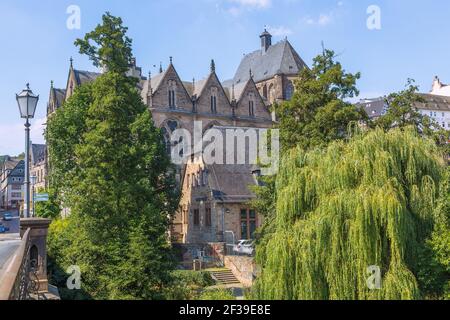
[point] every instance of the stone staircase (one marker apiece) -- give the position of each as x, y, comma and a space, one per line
225, 277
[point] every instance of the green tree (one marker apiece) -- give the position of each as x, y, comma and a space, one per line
115, 178
112, 52
402, 112
318, 113
440, 241
339, 210
50, 209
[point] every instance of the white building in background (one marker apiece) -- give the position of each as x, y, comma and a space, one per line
437, 107
12, 173
439, 88
436, 104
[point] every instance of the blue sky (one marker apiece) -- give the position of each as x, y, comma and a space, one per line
36, 44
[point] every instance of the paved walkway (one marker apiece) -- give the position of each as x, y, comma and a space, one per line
8, 247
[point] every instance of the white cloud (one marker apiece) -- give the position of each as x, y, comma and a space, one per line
259, 4
279, 31
12, 136
240, 6
322, 20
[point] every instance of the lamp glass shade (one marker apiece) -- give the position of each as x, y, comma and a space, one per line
27, 102
33, 180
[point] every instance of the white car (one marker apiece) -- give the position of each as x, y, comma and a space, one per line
244, 247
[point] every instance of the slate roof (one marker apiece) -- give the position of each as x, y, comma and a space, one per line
155, 82
9, 163
83, 77
280, 58
60, 96
38, 153
199, 86
434, 102
375, 108
239, 90
231, 183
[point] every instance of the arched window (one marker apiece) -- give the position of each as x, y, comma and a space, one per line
214, 100
289, 91
265, 91
172, 95
251, 104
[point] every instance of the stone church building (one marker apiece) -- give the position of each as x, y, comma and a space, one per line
263, 77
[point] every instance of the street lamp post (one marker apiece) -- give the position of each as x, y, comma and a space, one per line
27, 102
33, 180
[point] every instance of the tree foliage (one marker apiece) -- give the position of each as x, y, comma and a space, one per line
108, 46
342, 209
109, 165
50, 209
318, 112
402, 111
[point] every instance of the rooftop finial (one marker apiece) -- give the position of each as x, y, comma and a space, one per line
213, 66
193, 84
232, 93
28, 86
51, 84
71, 62
160, 68
171, 60
251, 74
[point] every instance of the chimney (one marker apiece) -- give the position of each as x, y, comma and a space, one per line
266, 41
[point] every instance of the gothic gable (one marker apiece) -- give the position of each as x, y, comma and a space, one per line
250, 103
212, 98
171, 93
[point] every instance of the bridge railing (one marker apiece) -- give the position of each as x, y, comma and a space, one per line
17, 281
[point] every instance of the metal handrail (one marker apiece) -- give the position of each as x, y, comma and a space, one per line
10, 283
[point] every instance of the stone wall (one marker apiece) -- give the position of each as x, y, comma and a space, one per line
243, 268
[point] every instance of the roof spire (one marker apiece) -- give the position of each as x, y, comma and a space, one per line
251, 74
51, 84
171, 60
193, 84
160, 68
71, 63
213, 66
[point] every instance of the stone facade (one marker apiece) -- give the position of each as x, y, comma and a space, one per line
38, 165
214, 205
263, 77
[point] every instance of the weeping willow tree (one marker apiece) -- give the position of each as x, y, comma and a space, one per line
366, 202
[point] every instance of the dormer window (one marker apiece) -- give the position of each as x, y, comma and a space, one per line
214, 100
172, 95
